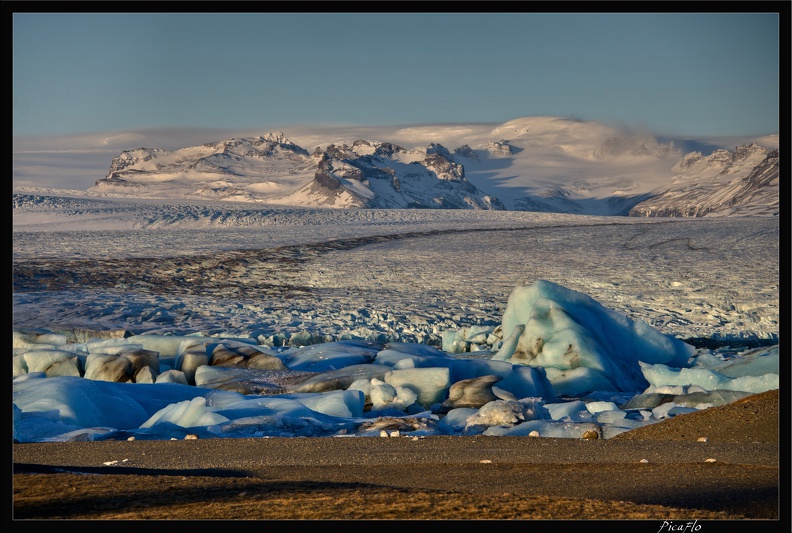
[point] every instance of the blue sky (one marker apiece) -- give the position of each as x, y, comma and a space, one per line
684, 74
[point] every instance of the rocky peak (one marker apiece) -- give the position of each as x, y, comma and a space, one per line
688, 160
745, 151
747, 155
435, 148
444, 168
498, 149
339, 152
276, 137
466, 151
130, 158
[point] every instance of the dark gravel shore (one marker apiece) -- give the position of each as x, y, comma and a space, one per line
660, 472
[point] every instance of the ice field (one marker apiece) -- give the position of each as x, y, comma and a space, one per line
327, 322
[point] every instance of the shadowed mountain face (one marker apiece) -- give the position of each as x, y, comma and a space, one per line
738, 188
541, 164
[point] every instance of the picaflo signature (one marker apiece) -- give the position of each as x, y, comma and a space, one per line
679, 527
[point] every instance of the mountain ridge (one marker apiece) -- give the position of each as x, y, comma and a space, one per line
546, 164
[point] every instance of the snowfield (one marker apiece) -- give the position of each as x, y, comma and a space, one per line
395, 275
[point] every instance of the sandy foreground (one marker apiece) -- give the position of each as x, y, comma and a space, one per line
716, 465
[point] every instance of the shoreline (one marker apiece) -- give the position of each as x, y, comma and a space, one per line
661, 472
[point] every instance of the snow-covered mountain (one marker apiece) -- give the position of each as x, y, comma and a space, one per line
545, 164
384, 175
743, 182
233, 169
274, 170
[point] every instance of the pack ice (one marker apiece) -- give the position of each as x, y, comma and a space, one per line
560, 365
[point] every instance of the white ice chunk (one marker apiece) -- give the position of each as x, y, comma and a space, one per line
421, 350
235, 379
710, 398
363, 385
189, 361
340, 403
613, 416
658, 375
479, 334
575, 410
670, 409
172, 376
44, 426
234, 407
106, 367
276, 416
189, 413
18, 366
525, 381
37, 339
509, 344
430, 384
565, 329
338, 379
455, 420
111, 347
597, 407
474, 368
78, 401
53, 362
609, 431
145, 375
402, 355
381, 393
417, 361
577, 381
386, 396
330, 355
453, 341
169, 345
667, 389
508, 413
755, 363
391, 357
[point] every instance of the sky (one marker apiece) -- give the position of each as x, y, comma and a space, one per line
695, 74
